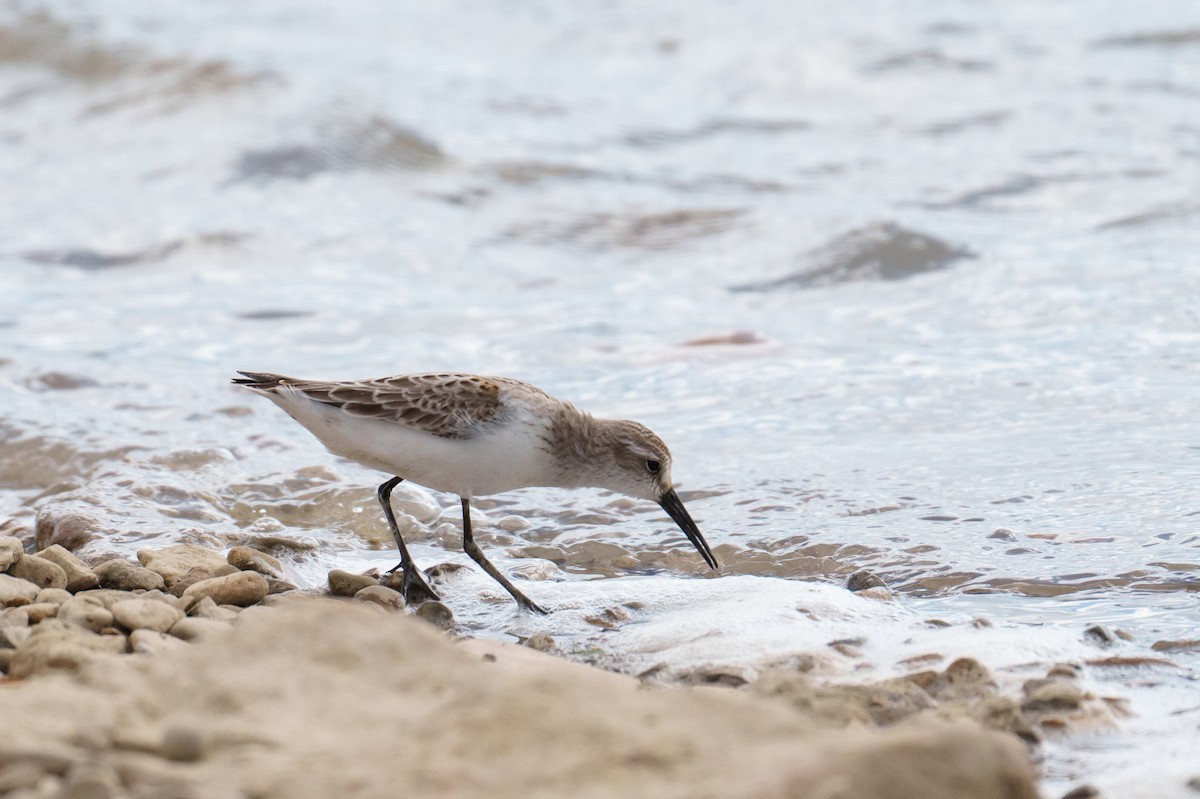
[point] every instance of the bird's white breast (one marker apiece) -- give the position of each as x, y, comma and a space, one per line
502, 457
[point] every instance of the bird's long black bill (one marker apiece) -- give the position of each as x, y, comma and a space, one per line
674, 507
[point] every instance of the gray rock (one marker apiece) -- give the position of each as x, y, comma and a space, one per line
55, 595
241, 589
152, 642
10, 552
182, 743
190, 629
146, 614
1100, 636
56, 646
69, 530
86, 614
126, 576
343, 583
80, 577
436, 614
248, 559
382, 596
39, 571
15, 591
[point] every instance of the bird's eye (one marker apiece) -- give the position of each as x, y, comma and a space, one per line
654, 467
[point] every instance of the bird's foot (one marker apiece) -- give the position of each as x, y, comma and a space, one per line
525, 603
411, 584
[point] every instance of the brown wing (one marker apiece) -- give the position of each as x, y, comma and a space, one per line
446, 405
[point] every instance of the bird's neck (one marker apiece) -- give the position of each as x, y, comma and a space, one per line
579, 443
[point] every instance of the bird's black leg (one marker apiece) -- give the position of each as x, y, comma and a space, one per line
477, 555
414, 587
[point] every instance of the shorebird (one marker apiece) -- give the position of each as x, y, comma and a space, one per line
473, 436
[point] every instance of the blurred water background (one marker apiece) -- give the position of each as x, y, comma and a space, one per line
907, 287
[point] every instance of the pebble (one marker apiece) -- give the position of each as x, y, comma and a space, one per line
436, 614
343, 583
1100, 636
383, 596
70, 530
151, 642
182, 743
247, 559
39, 571
1055, 695
91, 781
55, 645
537, 570
39, 611
241, 588
1194, 784
125, 576
55, 595
540, 641
103, 596
1192, 645
17, 776
86, 614
174, 563
80, 577
15, 591
1083, 792
145, 614
863, 579
275, 585
15, 617
10, 552
207, 609
13, 637
191, 629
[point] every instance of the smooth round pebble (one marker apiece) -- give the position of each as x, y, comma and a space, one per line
383, 596
248, 559
241, 588
125, 576
436, 614
190, 629
55, 595
145, 614
343, 583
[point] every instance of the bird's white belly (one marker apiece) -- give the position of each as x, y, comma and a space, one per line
504, 458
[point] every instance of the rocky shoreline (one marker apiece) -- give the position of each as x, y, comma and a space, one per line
233, 682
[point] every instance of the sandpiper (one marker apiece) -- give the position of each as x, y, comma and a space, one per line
474, 436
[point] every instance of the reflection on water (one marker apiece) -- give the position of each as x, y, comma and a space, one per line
906, 289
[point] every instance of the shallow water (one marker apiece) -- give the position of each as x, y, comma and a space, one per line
889, 280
